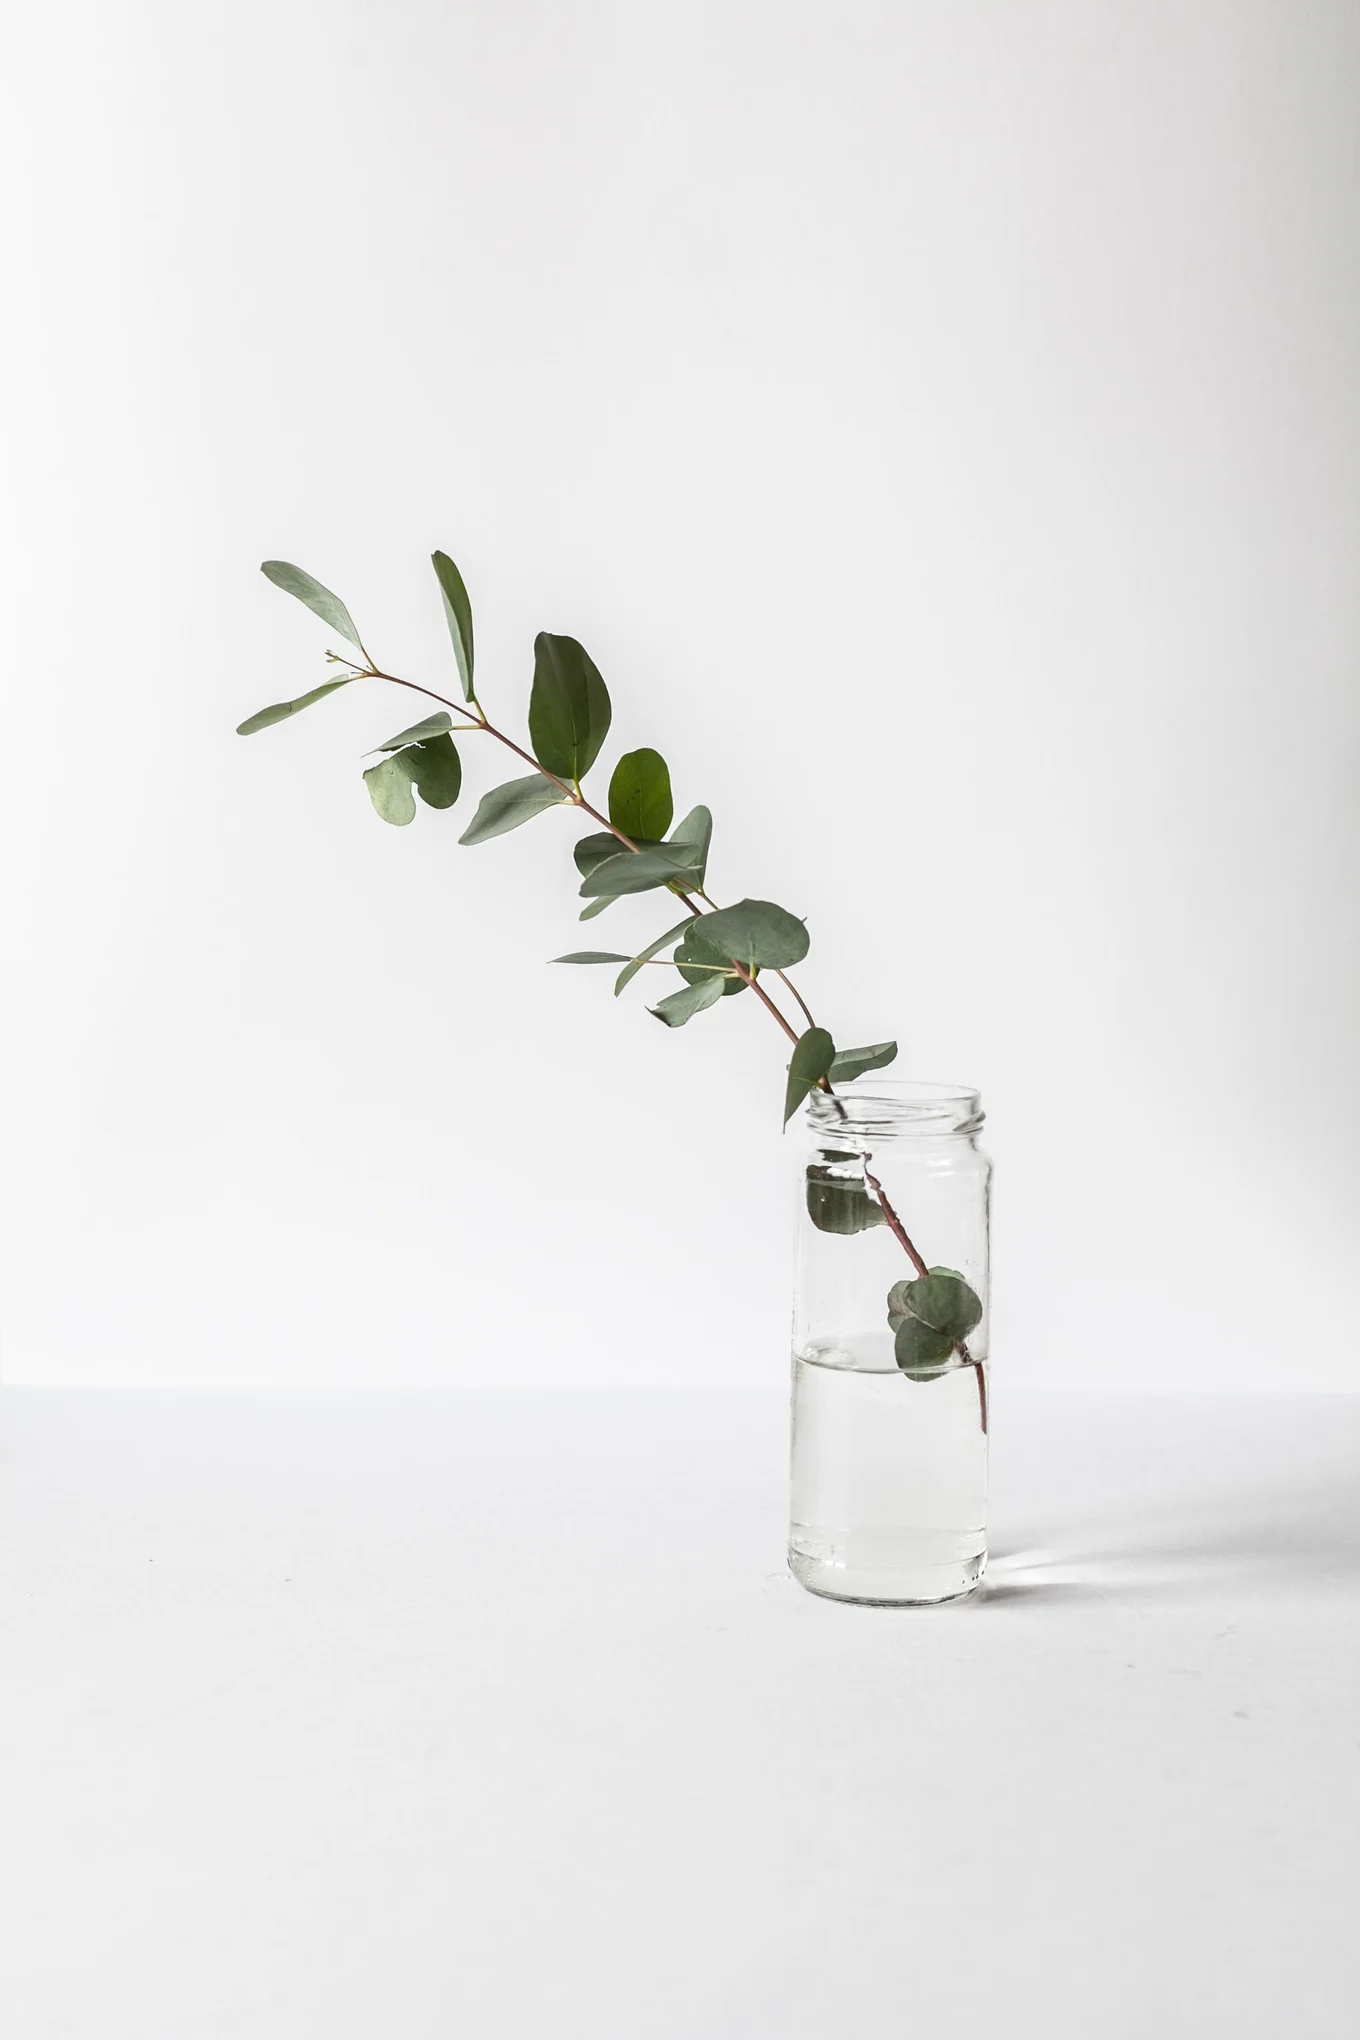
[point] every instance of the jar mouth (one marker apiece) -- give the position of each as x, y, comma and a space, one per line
880, 1105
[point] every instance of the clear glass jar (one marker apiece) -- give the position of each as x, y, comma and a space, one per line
888, 1487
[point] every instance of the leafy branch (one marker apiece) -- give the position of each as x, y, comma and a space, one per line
638, 847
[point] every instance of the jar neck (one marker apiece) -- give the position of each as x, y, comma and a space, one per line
878, 1109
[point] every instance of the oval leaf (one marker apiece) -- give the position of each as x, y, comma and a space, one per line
854, 1062
281, 710
436, 770
920, 1353
569, 711
758, 934
319, 600
458, 616
694, 962
595, 907
681, 1006
635, 964
506, 807
389, 789
809, 1063
640, 796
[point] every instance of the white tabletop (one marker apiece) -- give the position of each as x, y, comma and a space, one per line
416, 1718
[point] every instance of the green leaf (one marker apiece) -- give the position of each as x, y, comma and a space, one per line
319, 600
640, 796
692, 951
436, 769
678, 1007
389, 789
644, 956
458, 616
595, 907
590, 956
758, 934
920, 1353
695, 833
855, 1062
506, 807
433, 726
629, 872
809, 1063
840, 1203
593, 849
433, 768
281, 710
569, 709
944, 1302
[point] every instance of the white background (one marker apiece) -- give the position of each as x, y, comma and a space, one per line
940, 423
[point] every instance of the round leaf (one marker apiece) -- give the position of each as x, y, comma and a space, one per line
919, 1352
389, 789
436, 770
692, 952
640, 796
945, 1302
758, 934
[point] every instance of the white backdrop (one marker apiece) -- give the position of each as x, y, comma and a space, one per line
940, 423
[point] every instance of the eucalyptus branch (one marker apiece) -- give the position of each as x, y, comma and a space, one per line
717, 951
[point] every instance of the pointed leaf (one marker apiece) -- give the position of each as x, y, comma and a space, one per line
695, 833
319, 600
569, 710
640, 871
640, 796
506, 807
432, 726
595, 907
644, 956
281, 710
758, 934
809, 1063
678, 1007
389, 789
593, 849
855, 1062
590, 956
458, 616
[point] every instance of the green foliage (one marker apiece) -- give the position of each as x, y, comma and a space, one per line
433, 768
856, 1062
506, 807
640, 871
758, 934
458, 616
809, 1063
595, 907
640, 801
678, 1007
319, 600
644, 956
694, 834
433, 726
281, 710
569, 710
591, 956
930, 1315
694, 951
837, 1199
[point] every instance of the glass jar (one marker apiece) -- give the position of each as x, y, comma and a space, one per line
888, 1487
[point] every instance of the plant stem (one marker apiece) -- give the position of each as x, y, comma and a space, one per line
576, 798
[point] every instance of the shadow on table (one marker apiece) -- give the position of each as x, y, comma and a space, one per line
1291, 1537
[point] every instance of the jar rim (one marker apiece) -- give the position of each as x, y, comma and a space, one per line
877, 1104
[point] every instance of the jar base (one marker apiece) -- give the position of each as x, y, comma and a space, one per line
877, 1586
